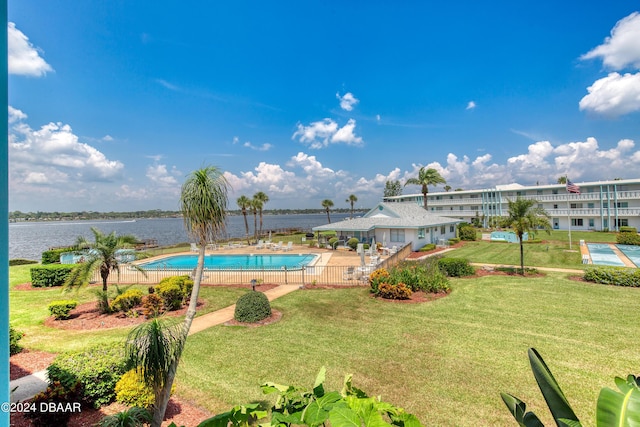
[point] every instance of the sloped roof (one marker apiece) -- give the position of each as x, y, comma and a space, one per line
390, 215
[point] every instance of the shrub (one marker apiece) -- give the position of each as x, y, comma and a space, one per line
171, 294
628, 229
21, 261
50, 275
14, 337
454, 240
97, 369
428, 247
456, 267
132, 417
53, 255
389, 291
628, 239
467, 233
422, 275
184, 282
61, 309
127, 300
353, 243
332, 241
376, 277
152, 305
617, 276
133, 391
57, 394
252, 307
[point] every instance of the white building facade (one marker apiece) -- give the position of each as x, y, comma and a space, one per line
600, 206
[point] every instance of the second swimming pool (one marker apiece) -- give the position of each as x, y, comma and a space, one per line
233, 262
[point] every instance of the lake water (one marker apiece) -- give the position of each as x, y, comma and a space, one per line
29, 239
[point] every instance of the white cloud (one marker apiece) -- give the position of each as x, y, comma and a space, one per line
471, 105
159, 175
311, 166
107, 138
613, 95
617, 94
263, 147
23, 58
16, 115
347, 101
622, 49
321, 134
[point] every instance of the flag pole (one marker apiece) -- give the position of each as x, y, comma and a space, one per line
568, 210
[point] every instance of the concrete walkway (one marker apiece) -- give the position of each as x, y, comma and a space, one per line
30, 385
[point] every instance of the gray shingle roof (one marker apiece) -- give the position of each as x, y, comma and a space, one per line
390, 215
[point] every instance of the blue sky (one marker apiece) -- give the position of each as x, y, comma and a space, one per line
112, 104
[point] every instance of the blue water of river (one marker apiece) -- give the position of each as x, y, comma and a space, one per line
29, 239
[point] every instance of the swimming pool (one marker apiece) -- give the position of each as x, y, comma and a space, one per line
234, 262
602, 254
632, 252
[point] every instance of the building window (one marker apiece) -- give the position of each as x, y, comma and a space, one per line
396, 235
474, 208
554, 191
539, 192
438, 208
605, 205
555, 206
473, 196
421, 233
540, 206
590, 205
452, 229
623, 222
591, 223
461, 208
576, 205
576, 222
622, 204
443, 229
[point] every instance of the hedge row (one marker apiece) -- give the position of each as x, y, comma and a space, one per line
617, 276
50, 275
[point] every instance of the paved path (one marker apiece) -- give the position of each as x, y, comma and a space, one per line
30, 385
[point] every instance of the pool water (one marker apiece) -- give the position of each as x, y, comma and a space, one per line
233, 262
602, 254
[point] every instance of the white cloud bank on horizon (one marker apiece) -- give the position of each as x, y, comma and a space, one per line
24, 58
617, 94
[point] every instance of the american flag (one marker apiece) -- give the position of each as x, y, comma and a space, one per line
572, 188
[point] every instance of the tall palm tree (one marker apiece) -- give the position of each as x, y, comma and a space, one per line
244, 202
352, 199
101, 256
203, 202
447, 188
263, 198
562, 180
525, 216
327, 204
256, 205
425, 178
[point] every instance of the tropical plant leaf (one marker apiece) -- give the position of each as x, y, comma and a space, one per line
318, 387
349, 390
318, 411
555, 398
618, 409
344, 417
404, 419
519, 411
372, 418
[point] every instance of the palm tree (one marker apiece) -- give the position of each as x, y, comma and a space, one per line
425, 178
524, 217
256, 205
352, 199
327, 204
562, 180
244, 202
102, 255
447, 188
203, 202
263, 198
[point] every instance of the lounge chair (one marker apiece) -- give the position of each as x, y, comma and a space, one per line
260, 244
194, 247
288, 247
393, 250
277, 247
349, 273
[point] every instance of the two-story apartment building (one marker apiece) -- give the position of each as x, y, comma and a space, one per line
600, 205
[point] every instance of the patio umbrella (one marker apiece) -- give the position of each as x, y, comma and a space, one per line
269, 235
373, 248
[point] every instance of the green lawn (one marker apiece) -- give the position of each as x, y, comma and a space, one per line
446, 361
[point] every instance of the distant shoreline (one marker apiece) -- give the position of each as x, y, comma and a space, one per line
17, 216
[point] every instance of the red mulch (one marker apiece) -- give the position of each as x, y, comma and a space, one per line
416, 297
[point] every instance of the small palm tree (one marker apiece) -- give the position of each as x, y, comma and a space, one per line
352, 199
523, 217
562, 180
244, 202
447, 188
263, 199
203, 202
425, 178
101, 256
327, 204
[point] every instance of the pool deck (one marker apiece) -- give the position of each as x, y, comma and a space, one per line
584, 250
